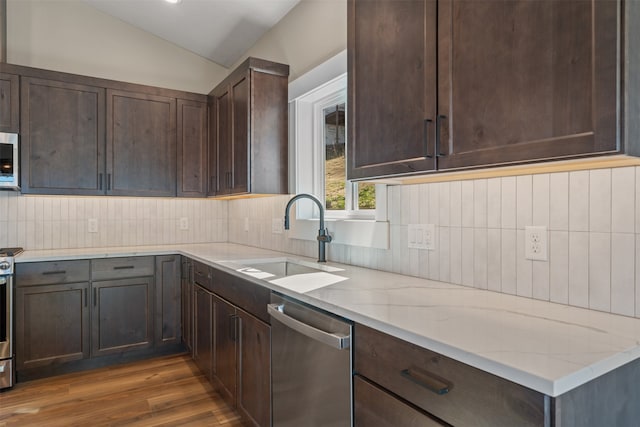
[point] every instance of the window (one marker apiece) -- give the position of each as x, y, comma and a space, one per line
324, 112
340, 194
356, 213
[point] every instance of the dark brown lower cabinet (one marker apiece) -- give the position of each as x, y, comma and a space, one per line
225, 337
202, 350
52, 324
122, 315
187, 290
254, 370
232, 347
376, 407
242, 360
168, 300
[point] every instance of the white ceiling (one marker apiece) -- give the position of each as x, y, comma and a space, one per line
219, 30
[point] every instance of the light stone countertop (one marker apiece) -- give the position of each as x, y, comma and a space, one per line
551, 348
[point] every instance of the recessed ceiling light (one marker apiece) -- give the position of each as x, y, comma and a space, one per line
173, 1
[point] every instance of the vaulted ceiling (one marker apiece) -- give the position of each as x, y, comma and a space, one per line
219, 30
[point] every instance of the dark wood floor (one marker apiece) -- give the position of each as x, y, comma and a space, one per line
168, 391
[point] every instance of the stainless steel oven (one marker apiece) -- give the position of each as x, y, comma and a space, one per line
9, 161
7, 364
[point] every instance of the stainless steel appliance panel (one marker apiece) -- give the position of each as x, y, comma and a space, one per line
9, 161
311, 366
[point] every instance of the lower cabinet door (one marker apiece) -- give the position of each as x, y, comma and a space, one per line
202, 351
226, 337
122, 315
52, 324
167, 309
254, 368
187, 306
375, 407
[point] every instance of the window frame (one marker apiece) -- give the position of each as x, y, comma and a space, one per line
366, 228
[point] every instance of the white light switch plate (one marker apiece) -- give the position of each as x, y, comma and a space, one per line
277, 225
421, 236
93, 225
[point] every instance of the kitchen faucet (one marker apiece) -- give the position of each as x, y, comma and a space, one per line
323, 233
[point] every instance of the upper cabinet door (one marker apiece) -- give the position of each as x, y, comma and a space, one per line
240, 128
524, 80
62, 138
221, 144
141, 144
9, 103
192, 148
392, 87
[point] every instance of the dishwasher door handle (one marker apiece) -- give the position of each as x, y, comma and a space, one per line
331, 339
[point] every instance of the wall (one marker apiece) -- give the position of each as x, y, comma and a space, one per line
312, 32
57, 222
593, 218
73, 37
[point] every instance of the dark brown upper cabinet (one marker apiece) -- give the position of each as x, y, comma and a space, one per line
249, 127
192, 148
88, 136
62, 137
141, 144
526, 80
517, 81
9, 103
392, 87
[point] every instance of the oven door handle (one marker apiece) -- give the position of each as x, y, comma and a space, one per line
331, 339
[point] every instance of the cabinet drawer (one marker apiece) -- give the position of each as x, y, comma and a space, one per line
250, 297
375, 407
452, 391
52, 272
120, 268
202, 275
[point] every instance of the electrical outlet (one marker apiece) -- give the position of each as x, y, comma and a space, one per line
277, 225
536, 244
93, 225
184, 223
246, 224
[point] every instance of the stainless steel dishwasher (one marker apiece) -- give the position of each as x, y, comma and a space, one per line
311, 366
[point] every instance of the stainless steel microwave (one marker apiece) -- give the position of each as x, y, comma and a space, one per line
9, 161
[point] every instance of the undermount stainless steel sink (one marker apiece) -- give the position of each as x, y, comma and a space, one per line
283, 267
298, 275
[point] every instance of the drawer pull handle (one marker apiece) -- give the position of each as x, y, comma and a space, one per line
123, 267
48, 273
427, 380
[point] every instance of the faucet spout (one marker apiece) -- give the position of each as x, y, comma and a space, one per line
323, 233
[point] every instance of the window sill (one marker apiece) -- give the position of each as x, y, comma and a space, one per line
353, 232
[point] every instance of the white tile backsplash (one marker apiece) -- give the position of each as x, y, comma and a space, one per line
623, 200
579, 268
579, 201
508, 202
494, 207
600, 200
60, 222
559, 267
594, 253
524, 201
559, 201
600, 271
480, 203
623, 273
